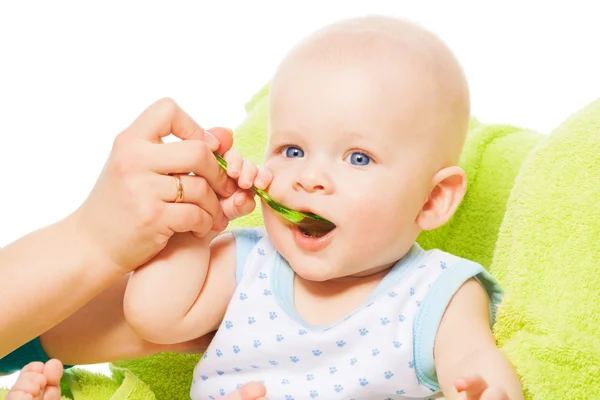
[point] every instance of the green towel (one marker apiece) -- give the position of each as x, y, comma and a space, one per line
547, 258
518, 198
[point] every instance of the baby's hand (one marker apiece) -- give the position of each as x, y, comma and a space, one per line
247, 174
476, 388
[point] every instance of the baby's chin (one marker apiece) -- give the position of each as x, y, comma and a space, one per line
316, 274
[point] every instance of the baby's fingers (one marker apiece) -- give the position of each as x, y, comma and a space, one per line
470, 388
263, 178
239, 204
493, 393
234, 163
248, 175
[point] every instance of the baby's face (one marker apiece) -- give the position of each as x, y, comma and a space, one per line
349, 142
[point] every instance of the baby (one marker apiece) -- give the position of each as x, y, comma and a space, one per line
367, 121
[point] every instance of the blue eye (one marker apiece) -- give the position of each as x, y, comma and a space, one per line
293, 152
357, 158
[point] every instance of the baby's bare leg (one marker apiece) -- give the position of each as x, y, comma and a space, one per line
38, 381
250, 391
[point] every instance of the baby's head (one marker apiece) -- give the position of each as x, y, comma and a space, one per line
367, 121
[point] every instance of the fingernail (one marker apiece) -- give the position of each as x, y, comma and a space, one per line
259, 183
230, 131
212, 141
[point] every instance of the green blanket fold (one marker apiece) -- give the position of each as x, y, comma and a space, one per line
531, 215
547, 258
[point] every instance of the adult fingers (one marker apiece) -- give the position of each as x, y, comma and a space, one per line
191, 156
195, 190
224, 136
185, 217
163, 118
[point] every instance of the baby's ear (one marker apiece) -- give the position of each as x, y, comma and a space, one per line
449, 185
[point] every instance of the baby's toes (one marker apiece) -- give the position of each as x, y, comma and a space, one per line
29, 385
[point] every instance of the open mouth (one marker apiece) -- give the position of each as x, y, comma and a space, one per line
314, 234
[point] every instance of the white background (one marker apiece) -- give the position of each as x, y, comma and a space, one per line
74, 74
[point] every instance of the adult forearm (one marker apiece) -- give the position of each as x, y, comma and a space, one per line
46, 276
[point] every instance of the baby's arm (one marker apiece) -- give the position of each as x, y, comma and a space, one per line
183, 293
465, 352
98, 332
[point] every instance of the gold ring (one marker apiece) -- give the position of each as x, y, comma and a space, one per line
179, 197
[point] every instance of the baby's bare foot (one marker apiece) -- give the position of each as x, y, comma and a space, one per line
250, 391
38, 381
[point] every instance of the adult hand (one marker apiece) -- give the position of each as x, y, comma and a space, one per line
132, 211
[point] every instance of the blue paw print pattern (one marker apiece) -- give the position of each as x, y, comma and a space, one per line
397, 344
237, 369
285, 382
375, 352
256, 344
262, 275
363, 331
205, 355
203, 377
243, 296
340, 343
273, 362
388, 374
392, 294
294, 359
317, 353
369, 305
384, 320
220, 373
418, 304
219, 353
289, 397
443, 265
332, 370
236, 349
272, 315
260, 251
302, 332
338, 388
422, 266
279, 338
400, 392
310, 377
412, 291
401, 318
313, 394
228, 324
267, 292
211, 397
353, 361
222, 392
363, 381
411, 364
239, 385
254, 366
251, 320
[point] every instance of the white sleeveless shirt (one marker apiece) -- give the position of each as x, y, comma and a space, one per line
382, 350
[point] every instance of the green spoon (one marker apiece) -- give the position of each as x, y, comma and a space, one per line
307, 221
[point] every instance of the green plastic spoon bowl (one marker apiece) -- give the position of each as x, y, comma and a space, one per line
307, 221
